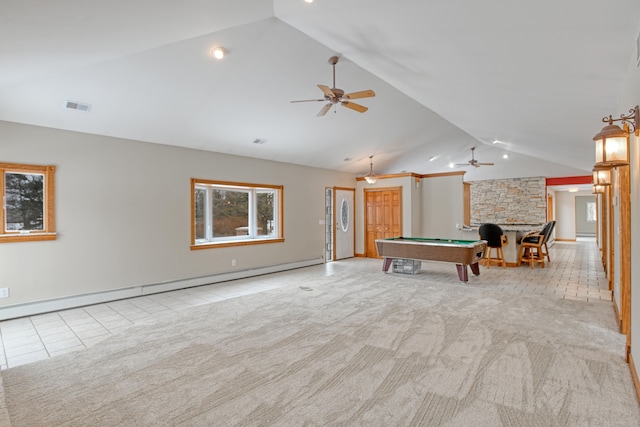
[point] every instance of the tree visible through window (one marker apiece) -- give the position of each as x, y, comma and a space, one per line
28, 195
24, 201
231, 213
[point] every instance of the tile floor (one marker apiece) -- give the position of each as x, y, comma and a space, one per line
575, 273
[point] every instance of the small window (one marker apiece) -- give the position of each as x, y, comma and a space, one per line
28, 202
592, 212
230, 214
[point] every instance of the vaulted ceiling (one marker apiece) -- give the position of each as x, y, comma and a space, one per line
537, 76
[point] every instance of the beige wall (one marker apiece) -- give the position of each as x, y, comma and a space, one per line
123, 214
443, 207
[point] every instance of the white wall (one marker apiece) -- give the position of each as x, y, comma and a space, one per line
123, 214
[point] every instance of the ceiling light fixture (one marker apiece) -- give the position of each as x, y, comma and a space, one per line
308, 1
218, 52
505, 156
612, 142
371, 177
452, 165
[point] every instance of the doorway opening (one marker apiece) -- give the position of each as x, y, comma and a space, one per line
328, 221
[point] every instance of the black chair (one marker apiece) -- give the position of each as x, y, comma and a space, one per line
534, 246
496, 239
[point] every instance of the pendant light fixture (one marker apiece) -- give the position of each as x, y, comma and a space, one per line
371, 177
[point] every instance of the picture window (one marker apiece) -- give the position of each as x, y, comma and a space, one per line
233, 214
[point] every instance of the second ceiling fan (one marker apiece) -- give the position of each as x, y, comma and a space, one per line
473, 162
334, 96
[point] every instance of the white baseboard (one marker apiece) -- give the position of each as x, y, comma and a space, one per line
39, 307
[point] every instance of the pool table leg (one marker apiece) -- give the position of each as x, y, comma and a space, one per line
386, 264
475, 268
463, 274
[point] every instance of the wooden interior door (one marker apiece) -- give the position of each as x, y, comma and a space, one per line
383, 217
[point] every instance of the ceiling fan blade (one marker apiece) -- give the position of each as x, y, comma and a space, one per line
309, 100
485, 164
357, 107
327, 91
324, 110
362, 94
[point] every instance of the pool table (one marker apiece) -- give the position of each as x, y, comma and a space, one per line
460, 252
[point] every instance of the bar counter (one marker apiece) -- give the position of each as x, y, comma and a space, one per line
514, 232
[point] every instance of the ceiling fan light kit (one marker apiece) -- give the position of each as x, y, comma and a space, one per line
334, 96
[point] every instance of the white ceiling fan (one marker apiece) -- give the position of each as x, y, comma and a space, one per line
334, 96
473, 162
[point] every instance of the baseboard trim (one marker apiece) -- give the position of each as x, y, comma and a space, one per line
45, 306
634, 376
616, 313
361, 256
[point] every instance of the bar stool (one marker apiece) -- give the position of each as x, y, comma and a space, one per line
496, 239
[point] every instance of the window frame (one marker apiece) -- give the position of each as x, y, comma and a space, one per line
49, 227
229, 241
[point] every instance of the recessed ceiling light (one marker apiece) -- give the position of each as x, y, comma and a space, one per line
452, 165
505, 156
218, 52
308, 1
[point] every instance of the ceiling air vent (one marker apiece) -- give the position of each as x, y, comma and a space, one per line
72, 105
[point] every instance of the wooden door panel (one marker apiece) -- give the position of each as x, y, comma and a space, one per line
383, 217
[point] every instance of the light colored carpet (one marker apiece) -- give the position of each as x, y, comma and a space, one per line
359, 349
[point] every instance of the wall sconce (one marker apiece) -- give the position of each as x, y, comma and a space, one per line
371, 177
612, 142
599, 189
601, 176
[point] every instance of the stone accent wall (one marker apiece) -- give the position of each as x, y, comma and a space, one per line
509, 201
